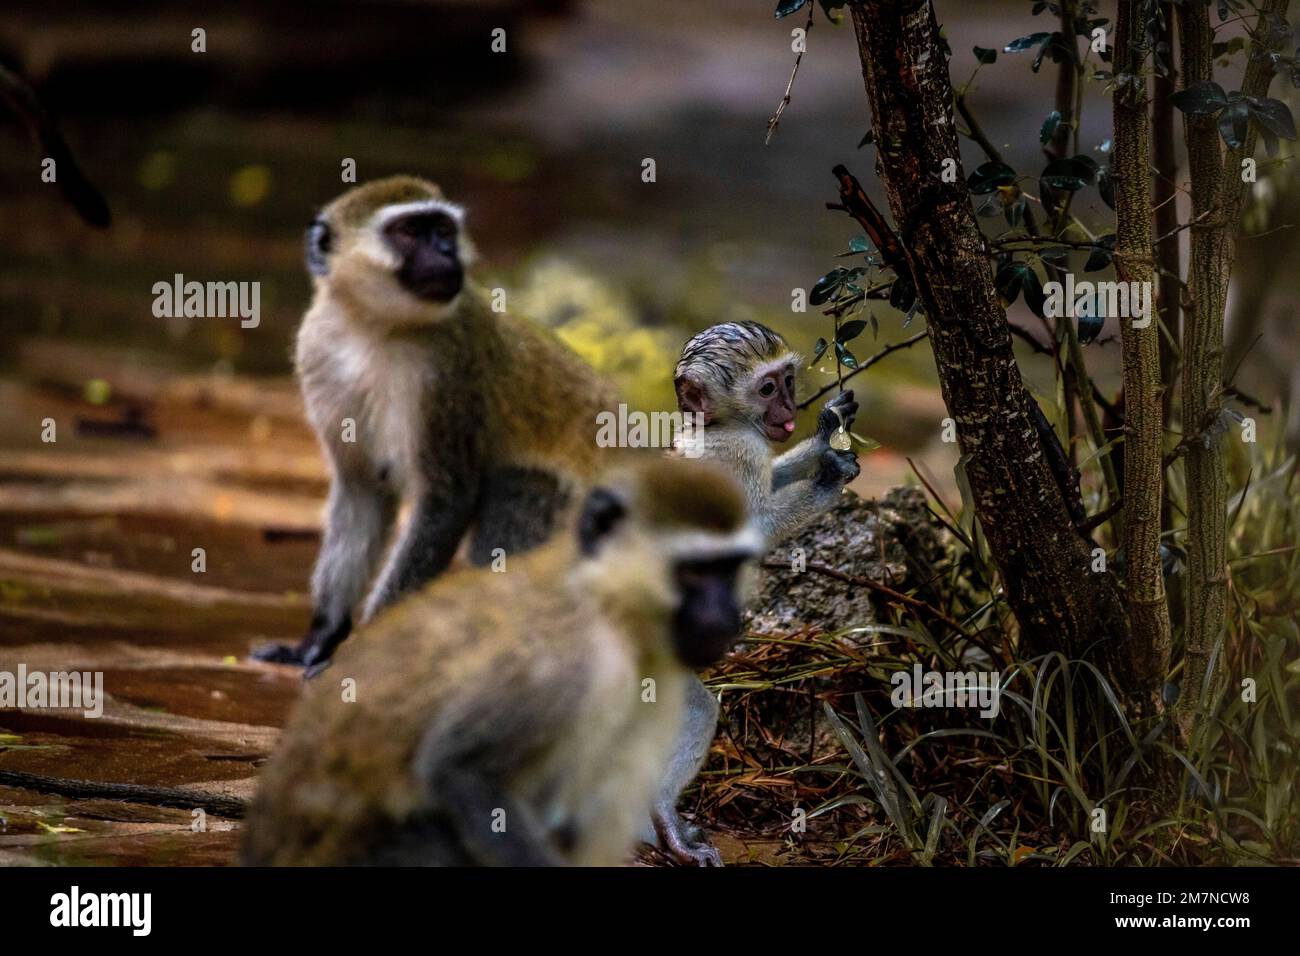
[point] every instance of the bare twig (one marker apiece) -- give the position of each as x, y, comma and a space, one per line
775, 119
866, 364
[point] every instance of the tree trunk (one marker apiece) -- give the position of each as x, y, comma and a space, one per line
1218, 193
1164, 155
1144, 421
1045, 563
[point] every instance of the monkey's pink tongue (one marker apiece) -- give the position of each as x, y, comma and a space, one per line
788, 426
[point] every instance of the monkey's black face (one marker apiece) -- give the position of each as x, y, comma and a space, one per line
426, 244
707, 621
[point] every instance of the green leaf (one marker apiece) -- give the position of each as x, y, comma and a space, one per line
1204, 99
1010, 279
1233, 122
1055, 44
902, 294
1272, 115
859, 244
1089, 327
1021, 44
819, 349
1088, 163
1015, 211
1033, 289
1067, 173
786, 7
845, 357
826, 287
1106, 186
985, 55
1101, 255
989, 176
1049, 126
850, 330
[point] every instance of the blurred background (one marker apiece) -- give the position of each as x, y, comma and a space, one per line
213, 162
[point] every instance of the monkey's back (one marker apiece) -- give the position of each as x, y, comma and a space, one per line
546, 396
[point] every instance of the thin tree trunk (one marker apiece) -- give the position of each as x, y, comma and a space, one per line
1045, 563
1169, 259
1144, 422
1164, 156
1218, 193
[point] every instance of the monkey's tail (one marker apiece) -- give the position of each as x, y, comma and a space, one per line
230, 807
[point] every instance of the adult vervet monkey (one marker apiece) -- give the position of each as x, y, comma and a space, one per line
524, 718
420, 393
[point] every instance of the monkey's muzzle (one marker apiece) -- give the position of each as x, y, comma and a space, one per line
707, 622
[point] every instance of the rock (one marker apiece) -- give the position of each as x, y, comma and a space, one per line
893, 540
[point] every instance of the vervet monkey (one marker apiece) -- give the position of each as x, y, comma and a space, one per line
420, 392
523, 718
741, 377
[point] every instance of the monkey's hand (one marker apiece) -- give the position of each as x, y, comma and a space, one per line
837, 468
315, 649
828, 422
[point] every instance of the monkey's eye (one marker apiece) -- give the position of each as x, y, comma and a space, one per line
320, 242
768, 389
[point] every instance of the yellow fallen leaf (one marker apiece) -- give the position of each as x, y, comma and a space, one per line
51, 828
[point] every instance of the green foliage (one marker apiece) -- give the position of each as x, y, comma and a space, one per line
1272, 117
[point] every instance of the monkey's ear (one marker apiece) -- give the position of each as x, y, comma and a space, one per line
319, 242
693, 397
602, 512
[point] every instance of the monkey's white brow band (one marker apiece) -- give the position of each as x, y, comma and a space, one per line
390, 213
702, 546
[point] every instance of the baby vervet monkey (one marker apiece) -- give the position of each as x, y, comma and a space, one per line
524, 718
740, 376
420, 392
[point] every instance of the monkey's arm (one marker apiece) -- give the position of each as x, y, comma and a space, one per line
426, 546
803, 460
358, 518
799, 462
493, 827
502, 725
789, 508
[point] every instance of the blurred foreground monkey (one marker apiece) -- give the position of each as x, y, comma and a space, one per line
741, 377
420, 392
526, 717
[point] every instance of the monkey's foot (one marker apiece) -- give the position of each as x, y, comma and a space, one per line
685, 844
